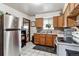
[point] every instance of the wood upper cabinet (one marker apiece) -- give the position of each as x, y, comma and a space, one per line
39, 22
71, 21
72, 9
76, 4
55, 20
70, 13
58, 21
71, 6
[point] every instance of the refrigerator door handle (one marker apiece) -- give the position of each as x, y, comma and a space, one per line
12, 29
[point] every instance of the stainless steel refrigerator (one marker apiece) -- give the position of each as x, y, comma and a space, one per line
11, 35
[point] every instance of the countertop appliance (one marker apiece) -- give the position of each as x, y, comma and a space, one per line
68, 33
11, 37
76, 36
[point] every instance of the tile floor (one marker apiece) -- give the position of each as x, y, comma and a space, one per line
29, 50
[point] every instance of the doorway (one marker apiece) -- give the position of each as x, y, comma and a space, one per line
1, 33
25, 32
26, 25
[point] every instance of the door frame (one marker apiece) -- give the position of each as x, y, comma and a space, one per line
2, 34
29, 25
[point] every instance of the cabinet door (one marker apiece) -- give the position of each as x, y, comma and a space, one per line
60, 21
71, 21
72, 6
65, 18
49, 40
54, 40
39, 22
76, 4
55, 20
68, 10
36, 38
42, 39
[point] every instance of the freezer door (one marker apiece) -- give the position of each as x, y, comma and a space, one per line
11, 22
12, 43
7, 21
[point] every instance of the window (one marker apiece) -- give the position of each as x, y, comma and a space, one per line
47, 21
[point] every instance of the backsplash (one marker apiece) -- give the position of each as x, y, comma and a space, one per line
39, 30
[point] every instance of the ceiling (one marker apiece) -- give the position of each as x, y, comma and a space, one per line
32, 9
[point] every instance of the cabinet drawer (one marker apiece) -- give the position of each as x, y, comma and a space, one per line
42, 35
49, 42
36, 39
36, 35
48, 36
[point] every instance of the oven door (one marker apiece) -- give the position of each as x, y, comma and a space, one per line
72, 52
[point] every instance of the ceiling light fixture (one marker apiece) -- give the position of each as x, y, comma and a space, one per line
37, 3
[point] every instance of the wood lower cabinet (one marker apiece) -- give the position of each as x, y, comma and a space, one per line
36, 38
49, 40
42, 39
54, 40
45, 39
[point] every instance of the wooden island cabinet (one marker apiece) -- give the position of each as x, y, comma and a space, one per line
45, 39
36, 38
49, 40
42, 39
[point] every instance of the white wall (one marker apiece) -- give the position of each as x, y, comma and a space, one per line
47, 15
33, 29
4, 8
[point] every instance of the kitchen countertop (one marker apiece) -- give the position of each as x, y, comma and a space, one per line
47, 33
54, 32
66, 43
